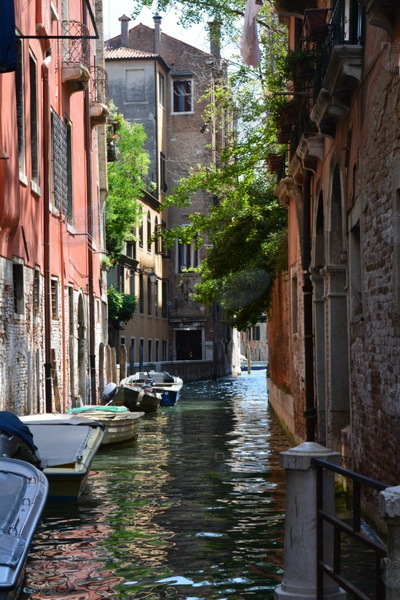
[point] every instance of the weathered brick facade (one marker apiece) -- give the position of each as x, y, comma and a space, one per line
52, 189
344, 178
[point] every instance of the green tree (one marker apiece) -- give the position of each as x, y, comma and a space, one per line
121, 307
125, 183
245, 228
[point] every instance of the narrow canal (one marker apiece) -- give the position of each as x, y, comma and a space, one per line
193, 510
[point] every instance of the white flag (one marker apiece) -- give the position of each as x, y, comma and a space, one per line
249, 47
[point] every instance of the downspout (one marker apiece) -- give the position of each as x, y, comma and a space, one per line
309, 412
89, 204
46, 234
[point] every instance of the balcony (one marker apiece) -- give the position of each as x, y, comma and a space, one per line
294, 8
75, 52
341, 59
380, 13
98, 96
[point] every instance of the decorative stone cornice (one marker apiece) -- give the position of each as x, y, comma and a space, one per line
342, 78
294, 8
380, 13
287, 188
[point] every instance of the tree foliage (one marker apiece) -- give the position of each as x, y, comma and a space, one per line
121, 307
125, 184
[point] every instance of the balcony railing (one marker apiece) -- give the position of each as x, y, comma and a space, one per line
75, 54
98, 95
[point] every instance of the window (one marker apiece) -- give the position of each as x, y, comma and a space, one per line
164, 300
356, 295
71, 309
141, 294
34, 120
19, 85
36, 293
256, 333
148, 231
132, 354
164, 350
18, 288
163, 173
188, 256
161, 90
149, 297
182, 95
62, 160
156, 285
130, 249
54, 299
132, 282
157, 350
149, 350
140, 235
294, 303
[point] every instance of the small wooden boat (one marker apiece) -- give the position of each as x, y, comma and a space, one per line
23, 495
120, 424
66, 445
137, 396
169, 386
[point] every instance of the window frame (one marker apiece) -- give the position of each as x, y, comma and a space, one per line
185, 99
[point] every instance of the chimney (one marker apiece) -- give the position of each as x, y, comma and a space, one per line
215, 39
124, 30
157, 34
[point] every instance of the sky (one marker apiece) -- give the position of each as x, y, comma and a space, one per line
196, 36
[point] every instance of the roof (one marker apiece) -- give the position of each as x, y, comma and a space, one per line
112, 53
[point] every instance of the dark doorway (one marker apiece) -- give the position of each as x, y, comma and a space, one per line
188, 345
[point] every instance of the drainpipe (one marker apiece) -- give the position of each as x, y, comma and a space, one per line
46, 234
309, 412
89, 205
90, 230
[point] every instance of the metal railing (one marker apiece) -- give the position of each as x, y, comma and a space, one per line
98, 85
353, 531
75, 45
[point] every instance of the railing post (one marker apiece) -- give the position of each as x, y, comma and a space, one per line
389, 507
300, 558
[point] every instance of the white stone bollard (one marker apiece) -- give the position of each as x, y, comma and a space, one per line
300, 550
389, 507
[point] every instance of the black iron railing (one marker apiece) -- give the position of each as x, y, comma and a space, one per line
76, 48
353, 532
98, 85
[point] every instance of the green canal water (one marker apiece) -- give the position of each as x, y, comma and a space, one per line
193, 510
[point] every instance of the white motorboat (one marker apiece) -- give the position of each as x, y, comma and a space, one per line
23, 495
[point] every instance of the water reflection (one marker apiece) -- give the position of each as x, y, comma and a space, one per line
192, 510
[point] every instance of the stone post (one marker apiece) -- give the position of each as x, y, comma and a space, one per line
300, 551
389, 507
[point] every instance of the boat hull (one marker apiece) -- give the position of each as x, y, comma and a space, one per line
66, 445
166, 385
24, 494
119, 425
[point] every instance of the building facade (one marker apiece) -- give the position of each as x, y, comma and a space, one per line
334, 337
53, 101
161, 82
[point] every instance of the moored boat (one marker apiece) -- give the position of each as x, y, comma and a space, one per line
169, 386
120, 424
24, 491
137, 395
66, 445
